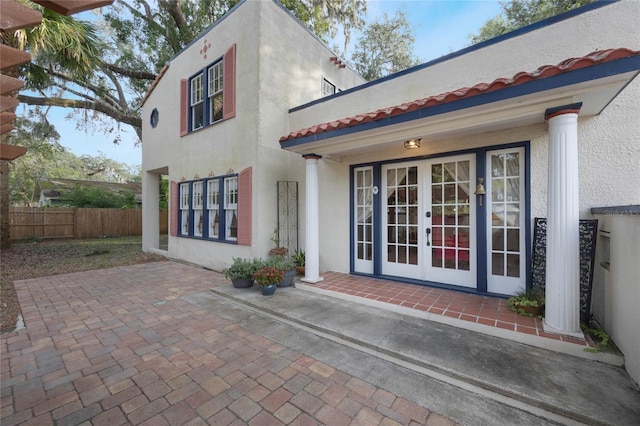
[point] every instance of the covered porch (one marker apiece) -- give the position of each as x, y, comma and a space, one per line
553, 96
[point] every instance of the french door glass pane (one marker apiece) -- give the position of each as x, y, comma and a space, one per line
505, 214
364, 213
402, 215
450, 208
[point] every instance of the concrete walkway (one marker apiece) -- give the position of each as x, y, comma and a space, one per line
167, 343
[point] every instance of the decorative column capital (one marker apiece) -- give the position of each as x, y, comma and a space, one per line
565, 109
311, 156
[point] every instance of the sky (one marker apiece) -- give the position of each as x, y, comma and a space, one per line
440, 27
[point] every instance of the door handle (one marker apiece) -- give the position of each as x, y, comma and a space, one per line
428, 234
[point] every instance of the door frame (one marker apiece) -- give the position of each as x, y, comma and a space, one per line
481, 220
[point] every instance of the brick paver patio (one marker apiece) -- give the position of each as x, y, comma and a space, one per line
119, 346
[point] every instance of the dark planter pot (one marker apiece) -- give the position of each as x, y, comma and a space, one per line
288, 278
268, 290
242, 282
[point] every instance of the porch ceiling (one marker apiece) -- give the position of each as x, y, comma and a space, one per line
500, 105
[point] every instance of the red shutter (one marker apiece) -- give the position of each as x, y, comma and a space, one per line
229, 84
244, 207
173, 209
184, 107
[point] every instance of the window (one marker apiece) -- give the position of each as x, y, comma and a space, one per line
213, 207
231, 207
209, 96
327, 88
215, 92
198, 219
184, 209
209, 208
197, 102
154, 118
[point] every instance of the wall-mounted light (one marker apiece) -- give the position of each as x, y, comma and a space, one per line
412, 144
480, 190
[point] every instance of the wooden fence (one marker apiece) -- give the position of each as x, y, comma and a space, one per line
49, 222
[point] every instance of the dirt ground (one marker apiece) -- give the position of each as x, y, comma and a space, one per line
37, 258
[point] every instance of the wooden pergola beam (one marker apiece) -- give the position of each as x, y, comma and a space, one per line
11, 57
7, 117
14, 16
69, 7
11, 152
8, 103
9, 84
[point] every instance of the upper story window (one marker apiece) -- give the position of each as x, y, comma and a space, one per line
197, 102
216, 73
209, 96
327, 88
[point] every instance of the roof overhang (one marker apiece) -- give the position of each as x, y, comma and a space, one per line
505, 108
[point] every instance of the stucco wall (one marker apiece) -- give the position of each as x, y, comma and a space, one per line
618, 288
614, 25
275, 48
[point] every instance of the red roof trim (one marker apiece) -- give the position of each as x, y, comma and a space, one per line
546, 71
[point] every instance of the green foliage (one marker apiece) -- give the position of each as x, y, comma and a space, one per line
523, 301
385, 48
242, 268
96, 197
600, 336
47, 158
519, 13
280, 262
299, 257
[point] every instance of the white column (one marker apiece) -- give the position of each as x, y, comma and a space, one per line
562, 311
312, 235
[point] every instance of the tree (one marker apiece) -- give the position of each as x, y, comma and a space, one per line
100, 198
47, 158
519, 13
385, 48
119, 58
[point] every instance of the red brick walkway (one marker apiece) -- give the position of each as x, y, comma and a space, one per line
119, 346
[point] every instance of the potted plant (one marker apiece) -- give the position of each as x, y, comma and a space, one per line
287, 267
299, 260
277, 250
268, 278
529, 302
241, 272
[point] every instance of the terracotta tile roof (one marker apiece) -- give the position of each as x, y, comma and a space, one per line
572, 64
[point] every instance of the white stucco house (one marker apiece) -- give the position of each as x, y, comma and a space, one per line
431, 176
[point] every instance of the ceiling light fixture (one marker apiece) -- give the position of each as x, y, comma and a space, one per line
412, 144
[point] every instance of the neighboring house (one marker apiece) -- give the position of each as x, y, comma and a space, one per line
431, 176
54, 192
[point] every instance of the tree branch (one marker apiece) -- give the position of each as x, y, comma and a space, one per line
141, 75
133, 121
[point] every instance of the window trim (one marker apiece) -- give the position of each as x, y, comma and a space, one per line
193, 208
325, 83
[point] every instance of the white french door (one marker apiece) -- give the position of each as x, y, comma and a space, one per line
428, 220
402, 228
506, 268
363, 219
450, 224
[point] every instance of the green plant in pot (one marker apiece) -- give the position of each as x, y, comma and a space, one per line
285, 265
268, 278
241, 272
299, 259
529, 302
